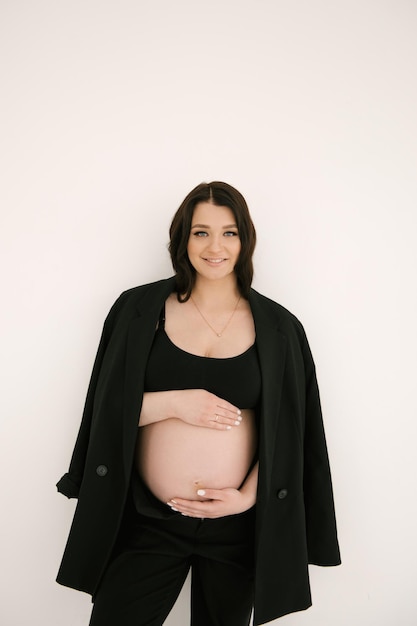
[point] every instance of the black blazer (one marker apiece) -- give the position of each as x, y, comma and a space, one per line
295, 511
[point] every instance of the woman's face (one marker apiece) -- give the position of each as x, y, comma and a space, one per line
214, 243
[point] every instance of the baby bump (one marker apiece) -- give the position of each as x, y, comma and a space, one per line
175, 458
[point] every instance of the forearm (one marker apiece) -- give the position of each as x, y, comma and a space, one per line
158, 406
194, 406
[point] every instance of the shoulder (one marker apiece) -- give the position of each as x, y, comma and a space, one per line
277, 314
143, 296
135, 294
270, 314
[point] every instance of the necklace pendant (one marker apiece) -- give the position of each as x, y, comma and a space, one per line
208, 323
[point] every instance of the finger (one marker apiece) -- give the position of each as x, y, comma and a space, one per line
183, 505
212, 494
189, 505
231, 420
218, 425
192, 508
209, 508
225, 422
227, 408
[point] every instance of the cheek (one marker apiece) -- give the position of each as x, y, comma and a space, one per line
192, 249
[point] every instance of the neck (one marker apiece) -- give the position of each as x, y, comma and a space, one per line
209, 293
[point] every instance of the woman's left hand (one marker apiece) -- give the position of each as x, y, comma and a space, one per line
217, 503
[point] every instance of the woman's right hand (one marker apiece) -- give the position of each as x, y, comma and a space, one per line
193, 406
202, 408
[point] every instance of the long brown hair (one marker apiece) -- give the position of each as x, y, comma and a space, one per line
219, 194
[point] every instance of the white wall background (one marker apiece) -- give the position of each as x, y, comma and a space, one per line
111, 113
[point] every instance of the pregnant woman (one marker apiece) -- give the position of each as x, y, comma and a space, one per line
202, 443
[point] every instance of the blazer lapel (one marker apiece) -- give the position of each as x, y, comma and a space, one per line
140, 336
272, 348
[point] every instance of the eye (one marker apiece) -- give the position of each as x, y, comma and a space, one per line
231, 233
200, 233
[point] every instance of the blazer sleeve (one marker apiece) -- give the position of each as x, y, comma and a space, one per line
322, 542
70, 483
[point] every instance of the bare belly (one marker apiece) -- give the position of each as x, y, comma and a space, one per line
175, 458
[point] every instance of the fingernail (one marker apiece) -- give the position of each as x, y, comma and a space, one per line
201, 492
174, 509
237, 423
228, 427
239, 412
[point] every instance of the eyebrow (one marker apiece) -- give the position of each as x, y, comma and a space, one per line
206, 226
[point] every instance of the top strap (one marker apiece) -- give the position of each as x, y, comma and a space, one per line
161, 321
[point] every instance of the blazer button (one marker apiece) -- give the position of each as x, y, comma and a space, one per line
101, 470
281, 494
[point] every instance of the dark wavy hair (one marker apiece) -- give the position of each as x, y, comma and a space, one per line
219, 194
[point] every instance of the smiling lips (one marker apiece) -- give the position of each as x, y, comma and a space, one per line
214, 261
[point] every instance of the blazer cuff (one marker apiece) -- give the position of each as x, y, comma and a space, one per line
68, 486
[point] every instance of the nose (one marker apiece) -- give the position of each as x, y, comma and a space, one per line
216, 243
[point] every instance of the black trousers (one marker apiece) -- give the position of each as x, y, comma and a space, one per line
153, 558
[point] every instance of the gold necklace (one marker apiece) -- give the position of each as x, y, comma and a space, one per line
208, 323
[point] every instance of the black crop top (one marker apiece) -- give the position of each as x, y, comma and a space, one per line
237, 379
